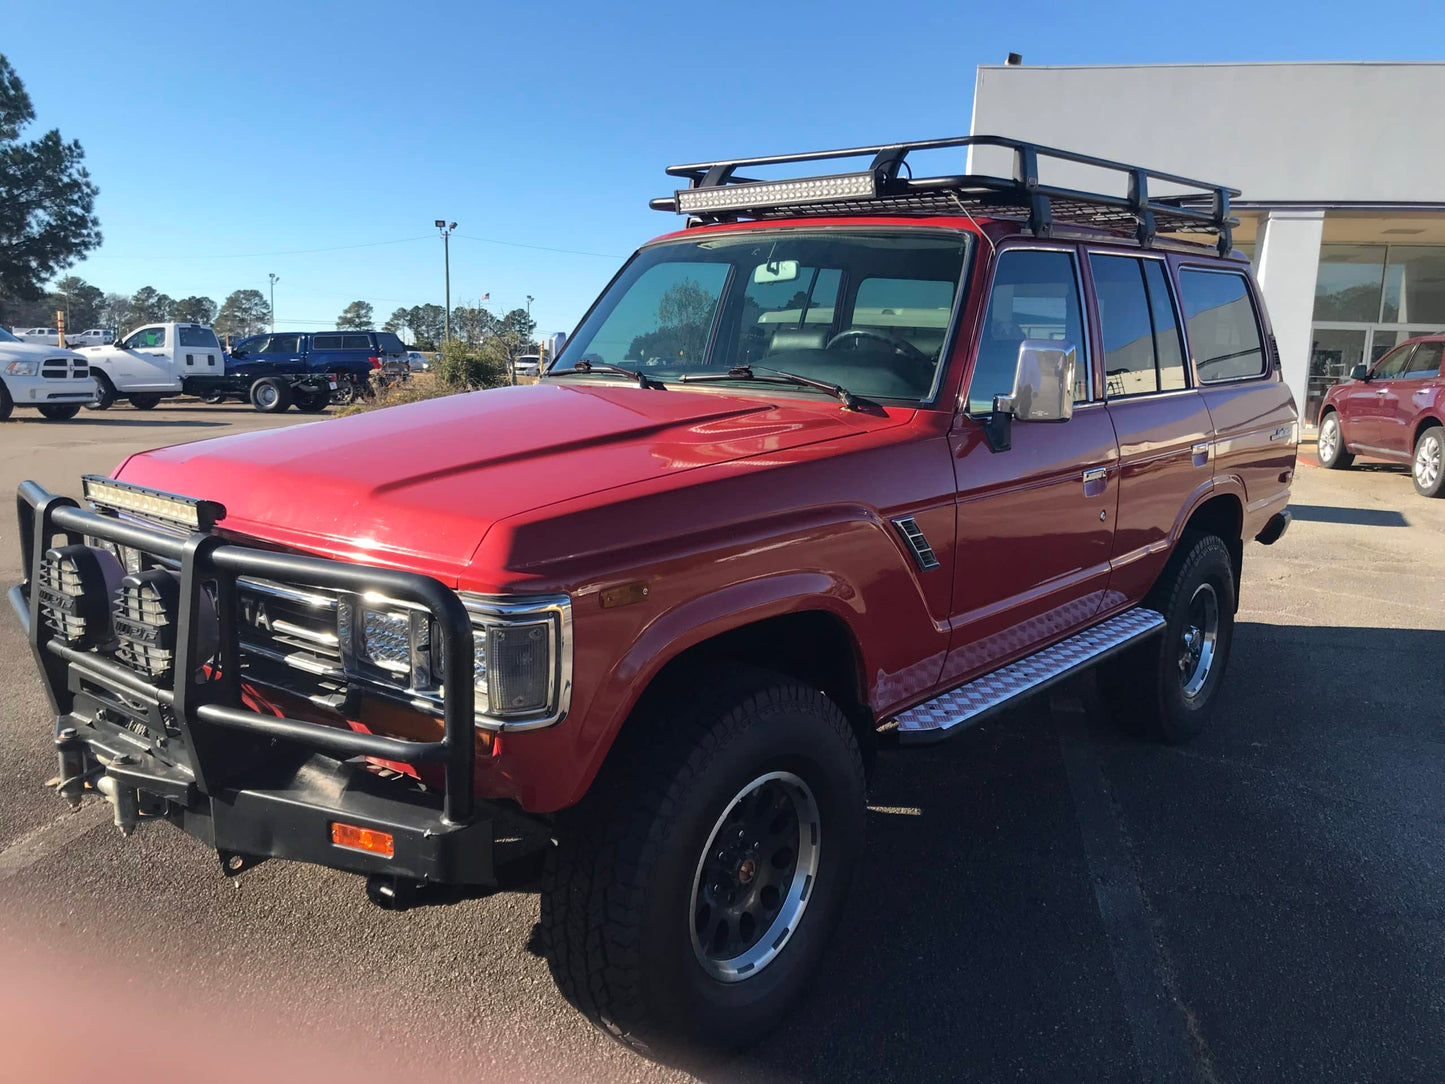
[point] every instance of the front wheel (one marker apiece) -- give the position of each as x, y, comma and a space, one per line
1331, 448
144, 402
104, 392
312, 401
1428, 466
1168, 686
270, 396
693, 892
59, 412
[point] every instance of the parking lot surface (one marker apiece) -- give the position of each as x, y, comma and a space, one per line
1042, 898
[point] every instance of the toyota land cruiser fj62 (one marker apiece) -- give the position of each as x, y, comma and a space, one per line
850, 459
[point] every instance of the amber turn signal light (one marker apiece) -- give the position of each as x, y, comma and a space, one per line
357, 838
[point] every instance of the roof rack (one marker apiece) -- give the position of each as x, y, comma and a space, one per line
716, 193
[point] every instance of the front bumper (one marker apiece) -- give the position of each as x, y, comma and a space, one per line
37, 391
251, 784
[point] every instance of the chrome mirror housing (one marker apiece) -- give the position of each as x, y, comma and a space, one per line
1043, 390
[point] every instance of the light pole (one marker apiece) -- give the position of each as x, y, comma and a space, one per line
275, 278
446, 232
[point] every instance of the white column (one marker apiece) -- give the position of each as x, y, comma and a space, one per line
1287, 262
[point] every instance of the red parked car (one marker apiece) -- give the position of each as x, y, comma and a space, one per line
1393, 410
849, 460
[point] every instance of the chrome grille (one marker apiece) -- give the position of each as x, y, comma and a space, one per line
290, 625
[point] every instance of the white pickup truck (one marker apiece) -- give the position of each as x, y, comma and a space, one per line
56, 381
152, 363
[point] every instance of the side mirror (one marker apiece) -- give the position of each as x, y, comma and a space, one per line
1043, 390
1359, 372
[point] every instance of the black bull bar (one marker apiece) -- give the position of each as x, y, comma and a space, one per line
251, 784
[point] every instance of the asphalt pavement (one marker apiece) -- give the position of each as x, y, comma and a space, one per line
1041, 898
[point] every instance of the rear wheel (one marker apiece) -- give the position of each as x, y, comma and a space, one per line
270, 396
59, 412
1331, 449
214, 397
310, 400
1428, 467
104, 392
144, 402
1167, 687
7, 405
346, 391
694, 890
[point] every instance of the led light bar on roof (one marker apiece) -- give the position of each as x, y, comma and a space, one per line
123, 497
742, 197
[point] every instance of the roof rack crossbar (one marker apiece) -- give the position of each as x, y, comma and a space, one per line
723, 195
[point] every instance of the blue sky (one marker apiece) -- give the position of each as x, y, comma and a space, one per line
320, 142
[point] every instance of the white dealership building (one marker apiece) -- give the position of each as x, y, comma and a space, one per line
1341, 166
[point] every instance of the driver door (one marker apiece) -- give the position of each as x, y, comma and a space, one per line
1035, 523
146, 363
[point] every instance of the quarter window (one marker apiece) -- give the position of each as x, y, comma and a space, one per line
1425, 361
1035, 296
1223, 334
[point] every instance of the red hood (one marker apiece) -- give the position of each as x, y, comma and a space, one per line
420, 484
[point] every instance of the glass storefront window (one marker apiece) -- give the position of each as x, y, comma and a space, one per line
1333, 353
1350, 281
1414, 285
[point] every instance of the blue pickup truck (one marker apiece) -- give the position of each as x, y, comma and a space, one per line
306, 369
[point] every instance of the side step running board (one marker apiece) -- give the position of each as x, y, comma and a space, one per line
960, 708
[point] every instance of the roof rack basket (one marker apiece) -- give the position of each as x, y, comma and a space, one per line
716, 193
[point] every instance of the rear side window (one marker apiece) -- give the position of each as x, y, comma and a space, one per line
1425, 361
356, 342
326, 342
190, 335
1223, 334
1035, 296
1141, 336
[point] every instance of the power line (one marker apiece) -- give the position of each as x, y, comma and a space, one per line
541, 248
259, 255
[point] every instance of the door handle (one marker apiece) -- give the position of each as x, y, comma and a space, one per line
1096, 480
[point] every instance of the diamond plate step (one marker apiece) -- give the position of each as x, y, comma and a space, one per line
960, 708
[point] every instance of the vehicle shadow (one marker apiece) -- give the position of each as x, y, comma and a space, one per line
1360, 517
137, 420
973, 945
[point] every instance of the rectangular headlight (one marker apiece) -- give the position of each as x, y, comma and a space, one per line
753, 194
190, 512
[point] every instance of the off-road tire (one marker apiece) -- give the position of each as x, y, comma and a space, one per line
105, 395
270, 396
1145, 687
1330, 450
1427, 465
213, 398
618, 895
59, 412
310, 401
145, 402
7, 405
347, 391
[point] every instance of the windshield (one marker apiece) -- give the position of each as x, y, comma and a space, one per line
866, 310
6, 337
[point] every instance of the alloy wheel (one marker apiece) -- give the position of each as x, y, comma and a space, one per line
1428, 462
755, 876
1329, 439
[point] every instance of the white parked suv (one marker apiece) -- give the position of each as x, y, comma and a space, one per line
56, 381
152, 363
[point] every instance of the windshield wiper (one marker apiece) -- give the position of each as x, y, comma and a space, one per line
584, 366
780, 376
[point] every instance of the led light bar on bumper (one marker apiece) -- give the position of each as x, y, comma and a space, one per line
523, 654
188, 512
748, 195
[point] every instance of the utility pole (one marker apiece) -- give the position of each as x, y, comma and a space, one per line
275, 278
446, 232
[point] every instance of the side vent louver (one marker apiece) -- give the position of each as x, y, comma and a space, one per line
914, 537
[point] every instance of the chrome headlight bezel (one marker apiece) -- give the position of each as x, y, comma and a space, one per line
391, 642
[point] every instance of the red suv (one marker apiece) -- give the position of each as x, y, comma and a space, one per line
1394, 410
848, 460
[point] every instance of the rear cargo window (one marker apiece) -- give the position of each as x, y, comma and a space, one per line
1223, 334
389, 343
196, 336
326, 342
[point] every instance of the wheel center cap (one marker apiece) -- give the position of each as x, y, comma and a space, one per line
747, 870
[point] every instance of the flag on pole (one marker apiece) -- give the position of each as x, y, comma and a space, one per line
486, 297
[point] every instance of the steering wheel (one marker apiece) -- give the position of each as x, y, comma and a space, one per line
898, 346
